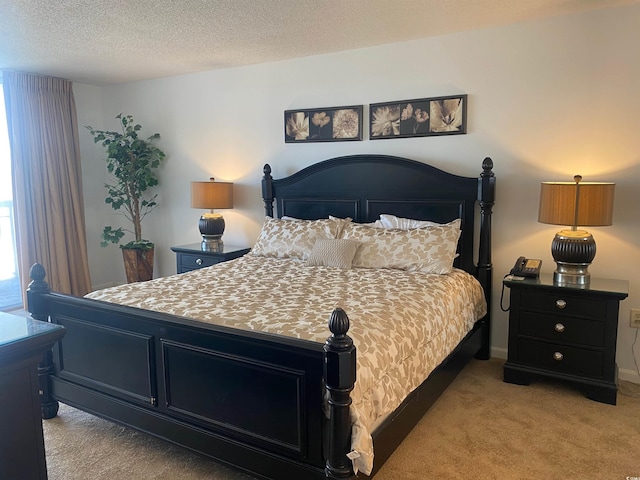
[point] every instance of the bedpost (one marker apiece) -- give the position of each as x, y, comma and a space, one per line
339, 377
37, 304
486, 197
267, 190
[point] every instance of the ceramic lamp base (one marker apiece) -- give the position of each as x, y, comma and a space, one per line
211, 228
573, 252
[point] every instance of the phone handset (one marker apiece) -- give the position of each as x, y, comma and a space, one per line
523, 268
527, 267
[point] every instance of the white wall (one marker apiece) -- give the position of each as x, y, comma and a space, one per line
547, 99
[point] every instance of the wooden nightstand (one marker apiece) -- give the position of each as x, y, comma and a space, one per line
565, 332
192, 257
23, 341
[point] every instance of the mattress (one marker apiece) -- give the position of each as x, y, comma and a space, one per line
403, 324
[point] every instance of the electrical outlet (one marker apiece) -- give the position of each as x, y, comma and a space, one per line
634, 321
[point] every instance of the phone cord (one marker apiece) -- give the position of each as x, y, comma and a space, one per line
502, 298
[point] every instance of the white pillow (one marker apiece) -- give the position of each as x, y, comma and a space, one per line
391, 221
293, 238
377, 223
427, 249
333, 253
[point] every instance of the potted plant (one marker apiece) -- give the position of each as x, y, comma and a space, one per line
132, 162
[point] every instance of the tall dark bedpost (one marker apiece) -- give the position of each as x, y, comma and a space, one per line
486, 197
267, 190
37, 305
339, 377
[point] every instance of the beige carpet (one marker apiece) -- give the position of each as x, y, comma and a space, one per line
481, 428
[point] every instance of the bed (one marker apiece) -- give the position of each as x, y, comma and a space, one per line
273, 405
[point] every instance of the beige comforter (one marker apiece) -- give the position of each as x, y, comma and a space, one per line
403, 324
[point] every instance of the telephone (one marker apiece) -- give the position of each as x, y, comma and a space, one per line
527, 267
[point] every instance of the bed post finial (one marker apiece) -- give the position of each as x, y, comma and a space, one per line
339, 377
487, 167
267, 190
37, 305
38, 286
486, 198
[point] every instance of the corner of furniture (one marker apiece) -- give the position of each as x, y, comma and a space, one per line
23, 342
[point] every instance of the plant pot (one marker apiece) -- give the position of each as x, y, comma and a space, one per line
138, 264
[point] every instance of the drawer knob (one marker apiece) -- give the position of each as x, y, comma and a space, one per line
559, 327
561, 304
557, 356
199, 261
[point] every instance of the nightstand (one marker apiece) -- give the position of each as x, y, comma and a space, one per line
23, 341
564, 332
192, 257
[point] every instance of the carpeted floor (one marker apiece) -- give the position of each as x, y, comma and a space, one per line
481, 428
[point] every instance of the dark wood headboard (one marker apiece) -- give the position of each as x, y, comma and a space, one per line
364, 186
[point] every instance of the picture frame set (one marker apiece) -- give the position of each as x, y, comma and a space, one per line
333, 124
423, 117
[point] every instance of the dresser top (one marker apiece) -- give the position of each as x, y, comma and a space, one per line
611, 286
196, 248
18, 329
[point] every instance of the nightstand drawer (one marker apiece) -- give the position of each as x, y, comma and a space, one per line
192, 257
562, 329
563, 304
190, 261
559, 358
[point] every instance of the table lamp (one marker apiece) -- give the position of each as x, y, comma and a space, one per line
585, 204
211, 195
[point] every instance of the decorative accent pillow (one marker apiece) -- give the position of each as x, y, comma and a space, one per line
427, 249
293, 238
333, 253
391, 221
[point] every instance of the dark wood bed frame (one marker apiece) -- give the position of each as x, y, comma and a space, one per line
253, 400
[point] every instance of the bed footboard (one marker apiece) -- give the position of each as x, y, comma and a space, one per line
250, 400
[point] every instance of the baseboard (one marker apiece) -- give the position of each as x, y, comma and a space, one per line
497, 352
629, 375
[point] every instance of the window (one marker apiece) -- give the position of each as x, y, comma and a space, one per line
10, 290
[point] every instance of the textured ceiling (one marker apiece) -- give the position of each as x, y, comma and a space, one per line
113, 41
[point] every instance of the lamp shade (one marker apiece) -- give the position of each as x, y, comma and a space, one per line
211, 194
587, 204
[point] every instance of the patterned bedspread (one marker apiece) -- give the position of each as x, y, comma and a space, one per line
403, 324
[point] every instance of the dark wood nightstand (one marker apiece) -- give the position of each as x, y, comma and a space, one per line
192, 257
23, 341
565, 332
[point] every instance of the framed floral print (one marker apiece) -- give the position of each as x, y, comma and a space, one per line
418, 118
334, 124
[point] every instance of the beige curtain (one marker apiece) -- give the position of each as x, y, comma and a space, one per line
47, 180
